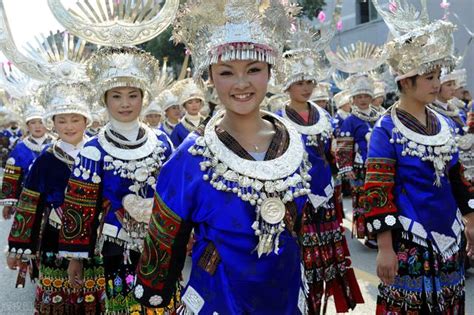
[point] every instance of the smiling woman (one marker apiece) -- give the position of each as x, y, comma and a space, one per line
239, 181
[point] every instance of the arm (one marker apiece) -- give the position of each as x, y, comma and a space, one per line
381, 212
345, 149
12, 178
170, 226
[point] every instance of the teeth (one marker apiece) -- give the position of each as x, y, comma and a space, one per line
241, 96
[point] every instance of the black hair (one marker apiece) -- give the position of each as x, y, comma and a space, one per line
413, 82
269, 70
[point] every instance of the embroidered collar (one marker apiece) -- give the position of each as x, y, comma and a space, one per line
322, 127
33, 145
343, 114
141, 148
438, 148
62, 155
372, 116
168, 127
267, 185
189, 125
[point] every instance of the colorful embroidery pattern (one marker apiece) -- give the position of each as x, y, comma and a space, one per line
79, 210
345, 154
11, 184
425, 283
379, 199
25, 215
155, 261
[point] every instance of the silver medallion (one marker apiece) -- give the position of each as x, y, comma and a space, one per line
272, 210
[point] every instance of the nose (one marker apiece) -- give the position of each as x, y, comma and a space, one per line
242, 82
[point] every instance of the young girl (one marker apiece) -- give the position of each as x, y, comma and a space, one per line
191, 98
22, 157
109, 199
238, 182
170, 104
35, 230
415, 185
324, 248
351, 152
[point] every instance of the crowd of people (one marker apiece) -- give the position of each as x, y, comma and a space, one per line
111, 181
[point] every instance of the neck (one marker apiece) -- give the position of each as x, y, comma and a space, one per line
412, 106
299, 106
442, 99
172, 121
244, 125
75, 144
193, 117
120, 126
365, 110
41, 139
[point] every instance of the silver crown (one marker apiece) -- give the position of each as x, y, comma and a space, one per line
418, 46
379, 89
342, 98
321, 92
66, 98
166, 99
232, 30
356, 58
116, 23
33, 112
361, 84
188, 89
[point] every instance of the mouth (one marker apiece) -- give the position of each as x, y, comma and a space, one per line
243, 97
307, 95
126, 113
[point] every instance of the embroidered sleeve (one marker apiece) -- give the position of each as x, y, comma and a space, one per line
462, 189
163, 257
11, 185
345, 153
13, 178
24, 232
381, 212
82, 206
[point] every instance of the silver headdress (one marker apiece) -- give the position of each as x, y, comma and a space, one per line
232, 30
361, 84
125, 23
166, 99
188, 89
418, 46
153, 108
66, 98
59, 56
460, 75
379, 89
304, 59
113, 67
33, 112
342, 98
321, 92
359, 57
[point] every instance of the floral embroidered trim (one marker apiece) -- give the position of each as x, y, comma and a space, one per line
11, 185
22, 236
345, 154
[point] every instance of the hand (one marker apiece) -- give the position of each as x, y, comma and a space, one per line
387, 265
75, 273
469, 231
7, 212
12, 262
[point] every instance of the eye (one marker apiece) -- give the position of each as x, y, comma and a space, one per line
225, 73
116, 96
133, 95
254, 70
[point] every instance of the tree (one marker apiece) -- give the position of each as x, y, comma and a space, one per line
162, 46
311, 8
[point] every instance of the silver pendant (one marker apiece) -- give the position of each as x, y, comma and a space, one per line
272, 210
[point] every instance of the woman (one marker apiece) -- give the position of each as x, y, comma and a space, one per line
237, 182
443, 102
109, 199
22, 157
324, 248
415, 185
169, 102
351, 151
35, 229
191, 98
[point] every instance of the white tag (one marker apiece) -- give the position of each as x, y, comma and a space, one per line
194, 302
53, 216
123, 235
110, 230
302, 303
316, 200
329, 191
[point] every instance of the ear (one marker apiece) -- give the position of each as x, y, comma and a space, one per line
406, 84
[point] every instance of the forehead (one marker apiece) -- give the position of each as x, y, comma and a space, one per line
124, 89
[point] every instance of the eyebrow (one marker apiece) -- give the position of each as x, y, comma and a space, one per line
229, 66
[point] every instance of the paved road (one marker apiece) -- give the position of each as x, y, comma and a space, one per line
19, 301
